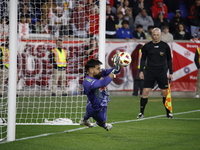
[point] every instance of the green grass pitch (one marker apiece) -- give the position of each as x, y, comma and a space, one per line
154, 132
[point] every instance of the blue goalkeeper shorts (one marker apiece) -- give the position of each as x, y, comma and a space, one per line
99, 116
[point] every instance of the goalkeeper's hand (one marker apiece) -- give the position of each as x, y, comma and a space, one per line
115, 56
117, 67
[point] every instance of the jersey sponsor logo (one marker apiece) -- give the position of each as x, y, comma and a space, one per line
162, 53
156, 46
88, 79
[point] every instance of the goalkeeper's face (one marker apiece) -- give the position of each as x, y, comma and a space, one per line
97, 72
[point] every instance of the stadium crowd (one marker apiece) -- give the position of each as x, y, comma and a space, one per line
125, 19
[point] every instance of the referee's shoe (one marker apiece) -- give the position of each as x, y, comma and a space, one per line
169, 115
140, 115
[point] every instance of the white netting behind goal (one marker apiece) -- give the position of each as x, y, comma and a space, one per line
40, 25
4, 56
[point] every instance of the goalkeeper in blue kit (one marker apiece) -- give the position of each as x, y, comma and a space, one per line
95, 87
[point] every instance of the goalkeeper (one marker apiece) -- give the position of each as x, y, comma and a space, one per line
95, 88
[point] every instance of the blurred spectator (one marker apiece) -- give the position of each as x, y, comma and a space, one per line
194, 17
172, 5
41, 27
144, 19
160, 21
44, 26
129, 18
4, 65
58, 58
159, 6
118, 3
148, 34
166, 36
86, 4
4, 5
68, 5
38, 27
93, 21
47, 9
138, 83
138, 33
111, 3
25, 11
37, 4
29, 3
111, 21
124, 32
79, 22
91, 50
23, 27
123, 7
59, 24
189, 3
4, 28
32, 28
173, 23
181, 33
120, 18
141, 4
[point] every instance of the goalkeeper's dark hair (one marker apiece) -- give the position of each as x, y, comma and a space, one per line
92, 63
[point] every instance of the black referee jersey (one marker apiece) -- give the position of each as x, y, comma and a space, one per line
156, 56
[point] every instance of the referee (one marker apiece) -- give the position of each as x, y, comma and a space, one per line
157, 60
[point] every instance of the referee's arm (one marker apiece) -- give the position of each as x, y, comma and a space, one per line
169, 60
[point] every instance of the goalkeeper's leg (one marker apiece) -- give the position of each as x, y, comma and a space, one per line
87, 115
101, 118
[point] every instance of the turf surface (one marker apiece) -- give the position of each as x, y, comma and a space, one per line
154, 132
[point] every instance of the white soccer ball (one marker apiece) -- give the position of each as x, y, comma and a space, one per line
125, 59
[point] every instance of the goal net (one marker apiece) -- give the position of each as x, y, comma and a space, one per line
49, 88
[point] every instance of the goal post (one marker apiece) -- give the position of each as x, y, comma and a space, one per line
28, 96
12, 70
102, 27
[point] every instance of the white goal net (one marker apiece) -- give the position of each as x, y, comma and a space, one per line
55, 39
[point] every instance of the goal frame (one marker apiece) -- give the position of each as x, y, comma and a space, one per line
13, 40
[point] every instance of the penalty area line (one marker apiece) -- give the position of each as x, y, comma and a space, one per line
72, 130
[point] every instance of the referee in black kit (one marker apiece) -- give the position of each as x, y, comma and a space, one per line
157, 60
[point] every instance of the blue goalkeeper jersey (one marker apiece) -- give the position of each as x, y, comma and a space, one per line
96, 90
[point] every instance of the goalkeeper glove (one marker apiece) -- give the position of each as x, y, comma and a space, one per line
117, 67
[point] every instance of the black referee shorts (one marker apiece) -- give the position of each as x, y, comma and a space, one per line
153, 75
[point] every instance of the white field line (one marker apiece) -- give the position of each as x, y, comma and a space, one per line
72, 130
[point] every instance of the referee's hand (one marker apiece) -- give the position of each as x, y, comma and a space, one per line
170, 77
141, 75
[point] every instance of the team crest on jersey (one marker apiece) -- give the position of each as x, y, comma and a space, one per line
162, 53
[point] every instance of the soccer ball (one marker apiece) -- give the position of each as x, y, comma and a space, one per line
125, 59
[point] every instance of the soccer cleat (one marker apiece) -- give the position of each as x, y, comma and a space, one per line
86, 122
140, 115
108, 127
197, 96
169, 115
